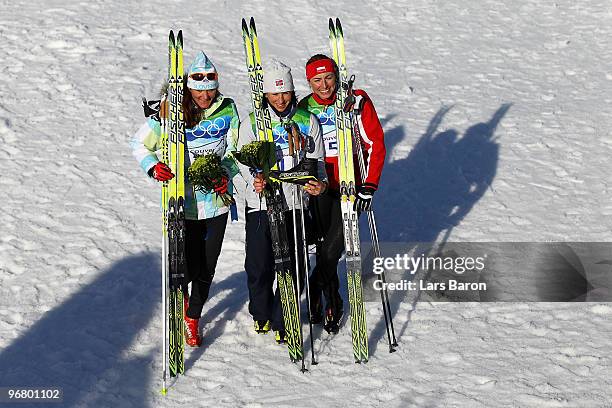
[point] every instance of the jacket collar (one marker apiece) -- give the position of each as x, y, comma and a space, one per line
275, 116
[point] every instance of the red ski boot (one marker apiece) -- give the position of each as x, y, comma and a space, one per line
192, 336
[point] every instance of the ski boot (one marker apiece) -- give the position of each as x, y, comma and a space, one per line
192, 336
280, 336
332, 320
262, 326
301, 174
333, 313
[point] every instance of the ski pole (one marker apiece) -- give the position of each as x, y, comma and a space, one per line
164, 252
384, 295
306, 263
297, 269
307, 271
376, 247
164, 272
293, 152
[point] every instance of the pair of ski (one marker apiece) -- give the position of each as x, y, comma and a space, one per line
289, 292
350, 218
173, 214
347, 132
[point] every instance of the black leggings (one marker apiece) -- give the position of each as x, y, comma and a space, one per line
326, 211
203, 240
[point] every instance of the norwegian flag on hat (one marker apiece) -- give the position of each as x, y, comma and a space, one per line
277, 78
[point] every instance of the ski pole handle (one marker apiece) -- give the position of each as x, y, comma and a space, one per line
349, 102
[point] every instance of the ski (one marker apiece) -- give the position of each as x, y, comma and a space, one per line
173, 204
350, 219
163, 113
274, 200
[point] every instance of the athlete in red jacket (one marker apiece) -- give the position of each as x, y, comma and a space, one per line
322, 76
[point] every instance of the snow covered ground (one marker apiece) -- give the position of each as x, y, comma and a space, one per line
497, 118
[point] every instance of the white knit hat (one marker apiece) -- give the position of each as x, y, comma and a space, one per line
277, 78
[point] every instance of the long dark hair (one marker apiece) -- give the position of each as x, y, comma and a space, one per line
191, 113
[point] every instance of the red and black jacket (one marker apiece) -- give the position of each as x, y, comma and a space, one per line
371, 132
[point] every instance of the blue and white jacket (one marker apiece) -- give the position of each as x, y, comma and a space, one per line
216, 132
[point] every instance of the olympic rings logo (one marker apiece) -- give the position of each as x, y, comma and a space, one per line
280, 135
209, 129
327, 117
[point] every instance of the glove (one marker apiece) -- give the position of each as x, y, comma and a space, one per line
363, 202
161, 172
220, 185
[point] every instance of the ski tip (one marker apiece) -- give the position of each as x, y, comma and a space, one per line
331, 24
171, 36
252, 24
179, 37
338, 25
245, 27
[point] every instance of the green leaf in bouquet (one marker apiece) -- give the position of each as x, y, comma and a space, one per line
205, 172
258, 154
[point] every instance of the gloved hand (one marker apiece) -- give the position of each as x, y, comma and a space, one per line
221, 185
363, 201
161, 172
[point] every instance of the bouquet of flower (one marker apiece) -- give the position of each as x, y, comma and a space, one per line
207, 175
259, 156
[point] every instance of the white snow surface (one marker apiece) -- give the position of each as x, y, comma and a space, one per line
514, 95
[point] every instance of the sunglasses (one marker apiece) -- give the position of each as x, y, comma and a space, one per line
199, 76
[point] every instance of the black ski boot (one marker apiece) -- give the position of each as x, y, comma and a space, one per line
280, 336
262, 326
301, 174
333, 314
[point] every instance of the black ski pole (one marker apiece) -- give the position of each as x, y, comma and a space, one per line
384, 295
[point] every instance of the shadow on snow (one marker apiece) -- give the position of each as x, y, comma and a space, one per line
215, 316
429, 192
81, 345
